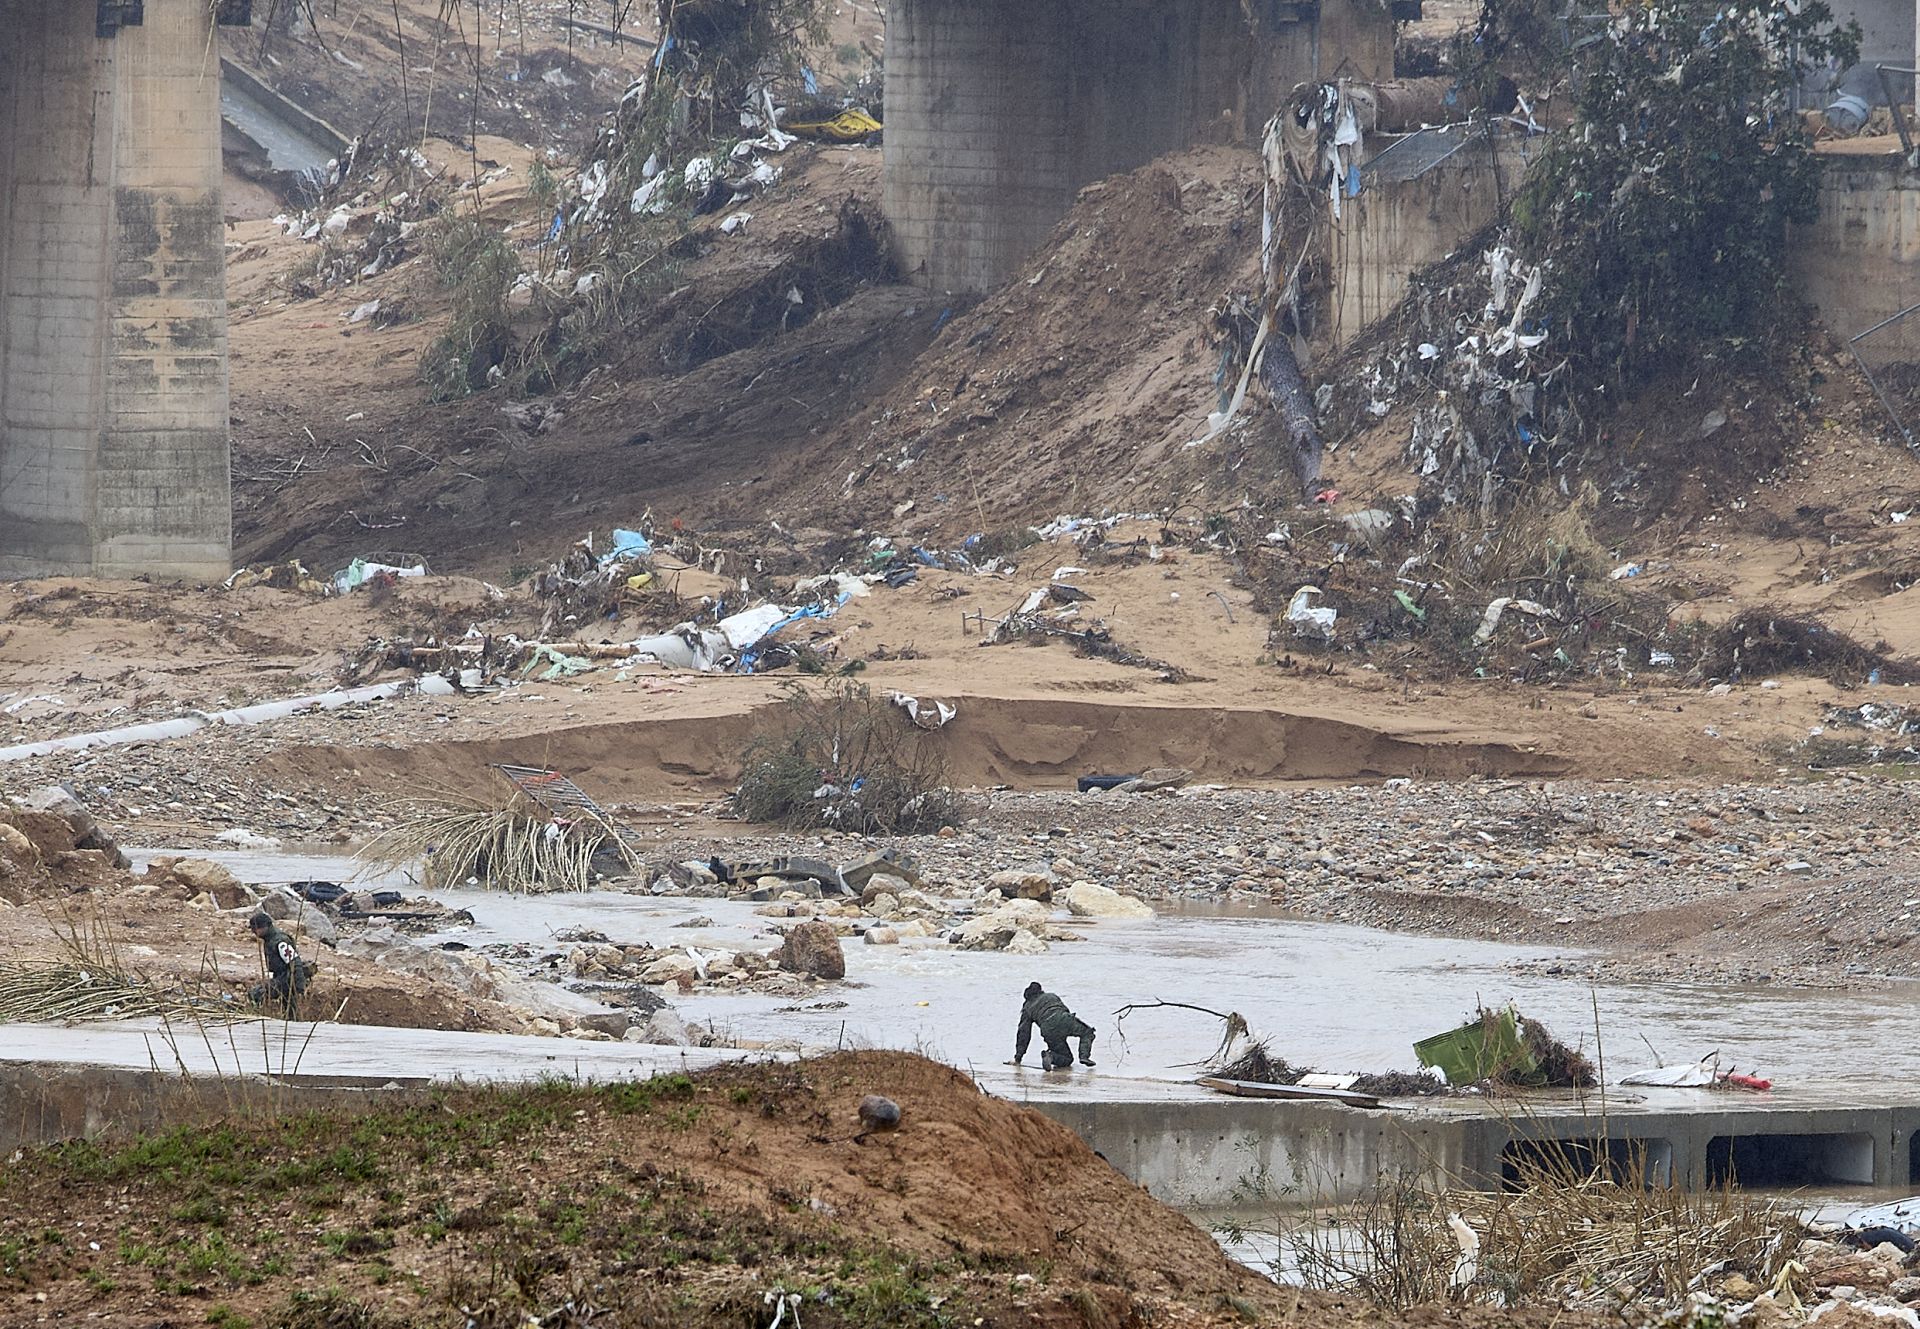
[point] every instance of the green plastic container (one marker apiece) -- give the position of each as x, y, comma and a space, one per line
1478, 1050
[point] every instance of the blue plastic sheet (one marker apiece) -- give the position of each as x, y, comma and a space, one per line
626, 544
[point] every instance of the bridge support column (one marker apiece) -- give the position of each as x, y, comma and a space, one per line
113, 329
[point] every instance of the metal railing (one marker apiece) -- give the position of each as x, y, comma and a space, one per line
1888, 354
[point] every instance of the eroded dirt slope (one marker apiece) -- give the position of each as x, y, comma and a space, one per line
676, 1201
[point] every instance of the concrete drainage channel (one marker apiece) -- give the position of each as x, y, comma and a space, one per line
1201, 1155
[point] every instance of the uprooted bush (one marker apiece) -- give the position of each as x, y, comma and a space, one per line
1661, 218
842, 757
1771, 641
479, 268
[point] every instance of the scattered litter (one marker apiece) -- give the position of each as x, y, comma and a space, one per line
927, 714
363, 570
1310, 621
1490, 621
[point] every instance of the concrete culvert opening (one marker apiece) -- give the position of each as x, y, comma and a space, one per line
1643, 1162
1790, 1160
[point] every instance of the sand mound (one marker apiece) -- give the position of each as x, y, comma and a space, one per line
682, 1201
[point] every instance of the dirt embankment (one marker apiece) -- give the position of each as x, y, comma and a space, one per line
690, 1202
178, 932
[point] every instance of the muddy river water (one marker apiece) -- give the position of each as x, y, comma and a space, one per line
1325, 995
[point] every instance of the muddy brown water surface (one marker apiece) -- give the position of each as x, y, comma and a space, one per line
1326, 995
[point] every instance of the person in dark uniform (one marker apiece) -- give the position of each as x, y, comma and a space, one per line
286, 971
1057, 1024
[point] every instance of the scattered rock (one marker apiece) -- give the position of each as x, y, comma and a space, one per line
669, 969
813, 948
882, 937
16, 846
1086, 899
1017, 884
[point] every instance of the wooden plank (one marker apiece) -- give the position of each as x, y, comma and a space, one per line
1254, 1089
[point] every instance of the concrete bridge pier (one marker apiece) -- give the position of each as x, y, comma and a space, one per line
113, 327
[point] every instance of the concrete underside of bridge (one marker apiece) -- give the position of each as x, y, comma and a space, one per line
113, 327
1000, 111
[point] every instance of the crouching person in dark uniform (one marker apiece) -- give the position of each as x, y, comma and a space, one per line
286, 971
1057, 1024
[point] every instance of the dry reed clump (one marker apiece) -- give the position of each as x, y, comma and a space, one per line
88, 981
1561, 1233
519, 847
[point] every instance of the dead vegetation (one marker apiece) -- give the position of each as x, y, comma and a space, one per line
842, 757
512, 846
1559, 1229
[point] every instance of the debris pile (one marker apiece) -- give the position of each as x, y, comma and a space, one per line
844, 757
1258, 1065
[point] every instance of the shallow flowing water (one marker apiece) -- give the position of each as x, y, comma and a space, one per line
1326, 995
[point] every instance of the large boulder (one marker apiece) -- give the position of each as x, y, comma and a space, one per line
16, 848
814, 949
306, 922
883, 883
614, 1024
1017, 925
670, 969
664, 1028
1085, 899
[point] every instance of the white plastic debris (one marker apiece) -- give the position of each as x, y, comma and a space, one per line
928, 714
1308, 619
1496, 609
1466, 1266
735, 223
